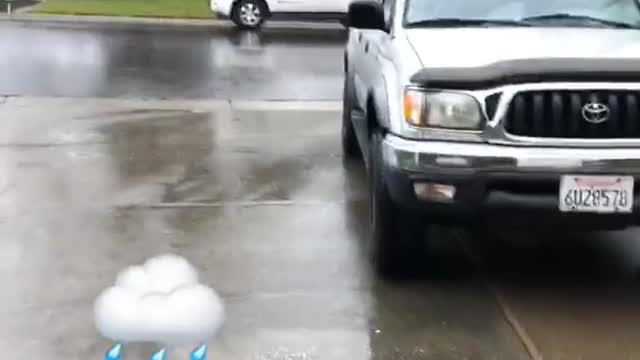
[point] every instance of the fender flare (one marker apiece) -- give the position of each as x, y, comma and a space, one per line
266, 6
378, 102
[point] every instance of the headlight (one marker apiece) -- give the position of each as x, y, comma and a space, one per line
448, 110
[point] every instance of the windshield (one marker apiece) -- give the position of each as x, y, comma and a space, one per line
575, 11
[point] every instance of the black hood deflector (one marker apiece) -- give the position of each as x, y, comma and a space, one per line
530, 70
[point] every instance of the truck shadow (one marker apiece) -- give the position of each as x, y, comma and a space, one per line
444, 261
556, 257
559, 258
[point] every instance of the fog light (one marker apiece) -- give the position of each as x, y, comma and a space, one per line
434, 192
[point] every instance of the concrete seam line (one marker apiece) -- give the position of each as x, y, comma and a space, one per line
170, 205
234, 103
49, 145
286, 105
508, 314
528, 343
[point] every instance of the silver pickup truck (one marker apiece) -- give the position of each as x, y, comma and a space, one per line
515, 113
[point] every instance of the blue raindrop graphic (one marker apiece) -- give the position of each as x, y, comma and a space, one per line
199, 353
159, 355
113, 353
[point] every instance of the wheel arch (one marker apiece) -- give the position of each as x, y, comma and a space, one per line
374, 122
345, 62
372, 115
264, 3
377, 109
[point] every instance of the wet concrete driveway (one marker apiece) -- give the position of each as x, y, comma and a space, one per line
258, 199
256, 195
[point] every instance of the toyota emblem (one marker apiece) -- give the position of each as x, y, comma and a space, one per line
595, 112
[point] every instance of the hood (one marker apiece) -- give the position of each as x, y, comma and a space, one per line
472, 47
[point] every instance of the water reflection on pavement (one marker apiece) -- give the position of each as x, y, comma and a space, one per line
257, 196
259, 201
60, 60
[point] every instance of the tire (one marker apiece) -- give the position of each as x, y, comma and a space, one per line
350, 147
397, 243
249, 14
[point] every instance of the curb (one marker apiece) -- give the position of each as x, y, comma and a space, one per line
93, 19
179, 22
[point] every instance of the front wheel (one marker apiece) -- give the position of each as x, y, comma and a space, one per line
398, 236
249, 14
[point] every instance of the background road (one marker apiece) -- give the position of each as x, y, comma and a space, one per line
256, 195
160, 62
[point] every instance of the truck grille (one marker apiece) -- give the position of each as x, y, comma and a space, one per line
574, 114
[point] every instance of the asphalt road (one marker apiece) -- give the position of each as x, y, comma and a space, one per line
256, 195
54, 59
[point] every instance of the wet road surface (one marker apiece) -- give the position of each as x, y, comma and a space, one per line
256, 195
259, 200
575, 294
169, 62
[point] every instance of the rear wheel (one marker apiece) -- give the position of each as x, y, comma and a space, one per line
398, 236
249, 14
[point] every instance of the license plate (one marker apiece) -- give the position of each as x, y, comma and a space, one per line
597, 194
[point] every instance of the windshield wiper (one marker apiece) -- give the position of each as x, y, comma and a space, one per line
585, 19
459, 22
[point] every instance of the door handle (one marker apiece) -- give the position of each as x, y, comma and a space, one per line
366, 47
359, 37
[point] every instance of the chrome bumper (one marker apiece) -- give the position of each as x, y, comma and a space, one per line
456, 158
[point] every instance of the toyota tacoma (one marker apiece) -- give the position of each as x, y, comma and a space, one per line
518, 113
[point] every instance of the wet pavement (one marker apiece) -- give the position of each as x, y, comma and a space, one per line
66, 59
256, 194
258, 199
574, 293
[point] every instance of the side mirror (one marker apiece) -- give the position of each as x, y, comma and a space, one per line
366, 14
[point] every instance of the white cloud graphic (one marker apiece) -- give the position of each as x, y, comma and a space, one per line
160, 301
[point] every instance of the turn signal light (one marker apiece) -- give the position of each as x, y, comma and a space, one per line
414, 108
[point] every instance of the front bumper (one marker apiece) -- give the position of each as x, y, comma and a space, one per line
510, 184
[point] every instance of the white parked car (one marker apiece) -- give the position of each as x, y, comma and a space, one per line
251, 14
